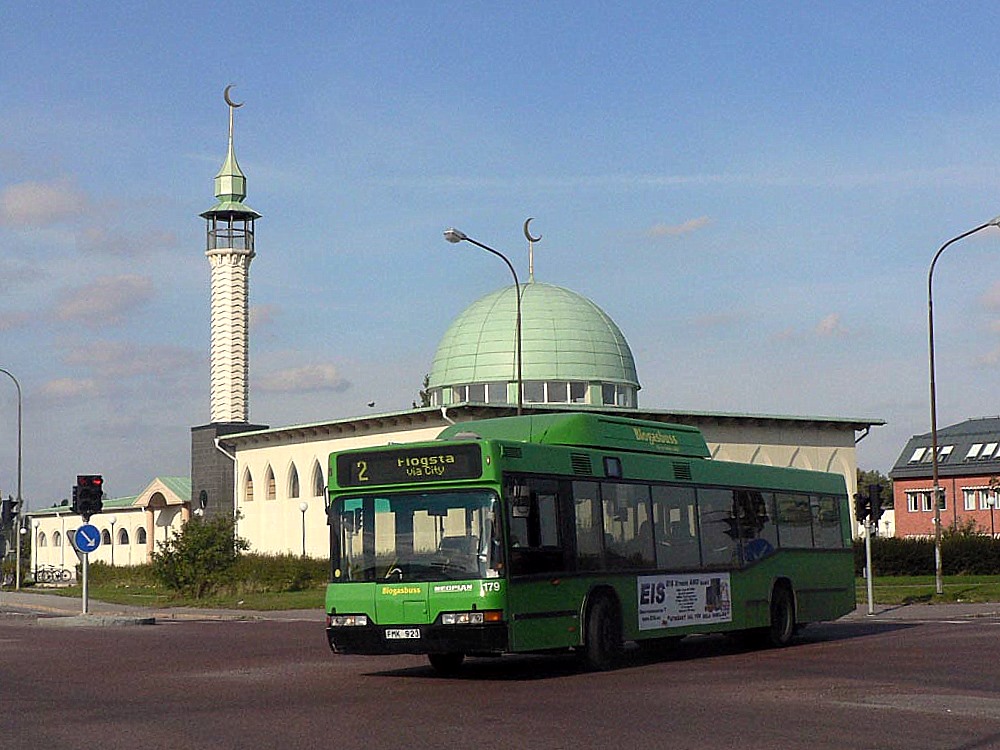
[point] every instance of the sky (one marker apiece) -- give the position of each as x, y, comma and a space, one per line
752, 191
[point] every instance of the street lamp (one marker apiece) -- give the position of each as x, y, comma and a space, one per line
303, 506
455, 236
938, 577
112, 520
17, 515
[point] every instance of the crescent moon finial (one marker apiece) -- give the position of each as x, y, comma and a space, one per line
230, 102
527, 234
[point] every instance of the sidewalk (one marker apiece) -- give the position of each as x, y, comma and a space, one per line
51, 605
918, 612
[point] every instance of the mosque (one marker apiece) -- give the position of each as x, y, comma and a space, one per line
572, 357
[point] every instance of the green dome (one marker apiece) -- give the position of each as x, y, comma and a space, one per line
565, 338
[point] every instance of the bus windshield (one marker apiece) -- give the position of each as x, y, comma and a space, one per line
417, 536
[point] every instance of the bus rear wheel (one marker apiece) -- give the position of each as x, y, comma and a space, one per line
446, 663
603, 636
782, 627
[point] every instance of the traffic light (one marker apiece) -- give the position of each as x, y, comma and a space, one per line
862, 507
7, 510
875, 498
88, 495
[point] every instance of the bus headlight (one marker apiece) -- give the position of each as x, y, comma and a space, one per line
340, 621
477, 617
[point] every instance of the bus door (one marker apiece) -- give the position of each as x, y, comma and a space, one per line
543, 608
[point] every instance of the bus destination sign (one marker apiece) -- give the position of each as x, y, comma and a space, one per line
404, 465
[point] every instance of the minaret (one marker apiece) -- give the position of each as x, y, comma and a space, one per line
229, 249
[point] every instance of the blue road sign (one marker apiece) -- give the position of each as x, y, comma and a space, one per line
87, 538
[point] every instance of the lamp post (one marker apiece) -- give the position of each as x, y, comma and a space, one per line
34, 552
17, 514
455, 236
938, 577
303, 506
112, 520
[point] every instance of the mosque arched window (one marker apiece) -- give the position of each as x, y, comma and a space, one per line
140, 535
293, 482
42, 540
123, 536
105, 537
56, 539
270, 486
247, 487
319, 486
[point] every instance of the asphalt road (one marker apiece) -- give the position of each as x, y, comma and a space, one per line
905, 679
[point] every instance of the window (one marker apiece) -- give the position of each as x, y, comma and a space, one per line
826, 523
676, 520
973, 451
794, 520
534, 522
319, 486
988, 451
477, 393
105, 537
496, 393
917, 455
617, 395
589, 531
970, 499
270, 486
293, 482
42, 541
717, 526
56, 539
987, 499
628, 533
459, 393
577, 393
913, 502
534, 391
140, 535
122, 536
248, 487
944, 451
756, 523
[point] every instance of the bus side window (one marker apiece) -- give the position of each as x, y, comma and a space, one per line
535, 538
589, 549
676, 519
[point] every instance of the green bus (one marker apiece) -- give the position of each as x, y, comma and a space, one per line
575, 531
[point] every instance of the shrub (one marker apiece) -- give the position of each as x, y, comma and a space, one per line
200, 558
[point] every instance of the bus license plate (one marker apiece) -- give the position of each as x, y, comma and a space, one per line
401, 633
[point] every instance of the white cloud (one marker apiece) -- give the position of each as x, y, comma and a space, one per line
675, 230
310, 378
125, 360
69, 388
104, 301
32, 205
830, 326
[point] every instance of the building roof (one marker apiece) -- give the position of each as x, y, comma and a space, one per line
564, 336
971, 447
433, 415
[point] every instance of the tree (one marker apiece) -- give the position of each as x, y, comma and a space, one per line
424, 394
199, 559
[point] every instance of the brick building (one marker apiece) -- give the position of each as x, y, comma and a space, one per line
968, 470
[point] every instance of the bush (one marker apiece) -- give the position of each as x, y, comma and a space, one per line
963, 552
200, 558
257, 573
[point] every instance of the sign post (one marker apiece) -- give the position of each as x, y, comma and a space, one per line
87, 539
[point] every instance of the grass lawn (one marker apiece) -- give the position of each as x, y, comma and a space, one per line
158, 598
921, 589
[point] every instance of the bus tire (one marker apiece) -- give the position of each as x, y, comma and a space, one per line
782, 628
446, 664
603, 637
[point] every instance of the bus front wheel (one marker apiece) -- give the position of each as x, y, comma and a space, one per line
446, 663
603, 636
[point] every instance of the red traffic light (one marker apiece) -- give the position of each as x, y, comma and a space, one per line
89, 480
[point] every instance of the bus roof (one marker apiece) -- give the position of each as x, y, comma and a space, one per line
583, 430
